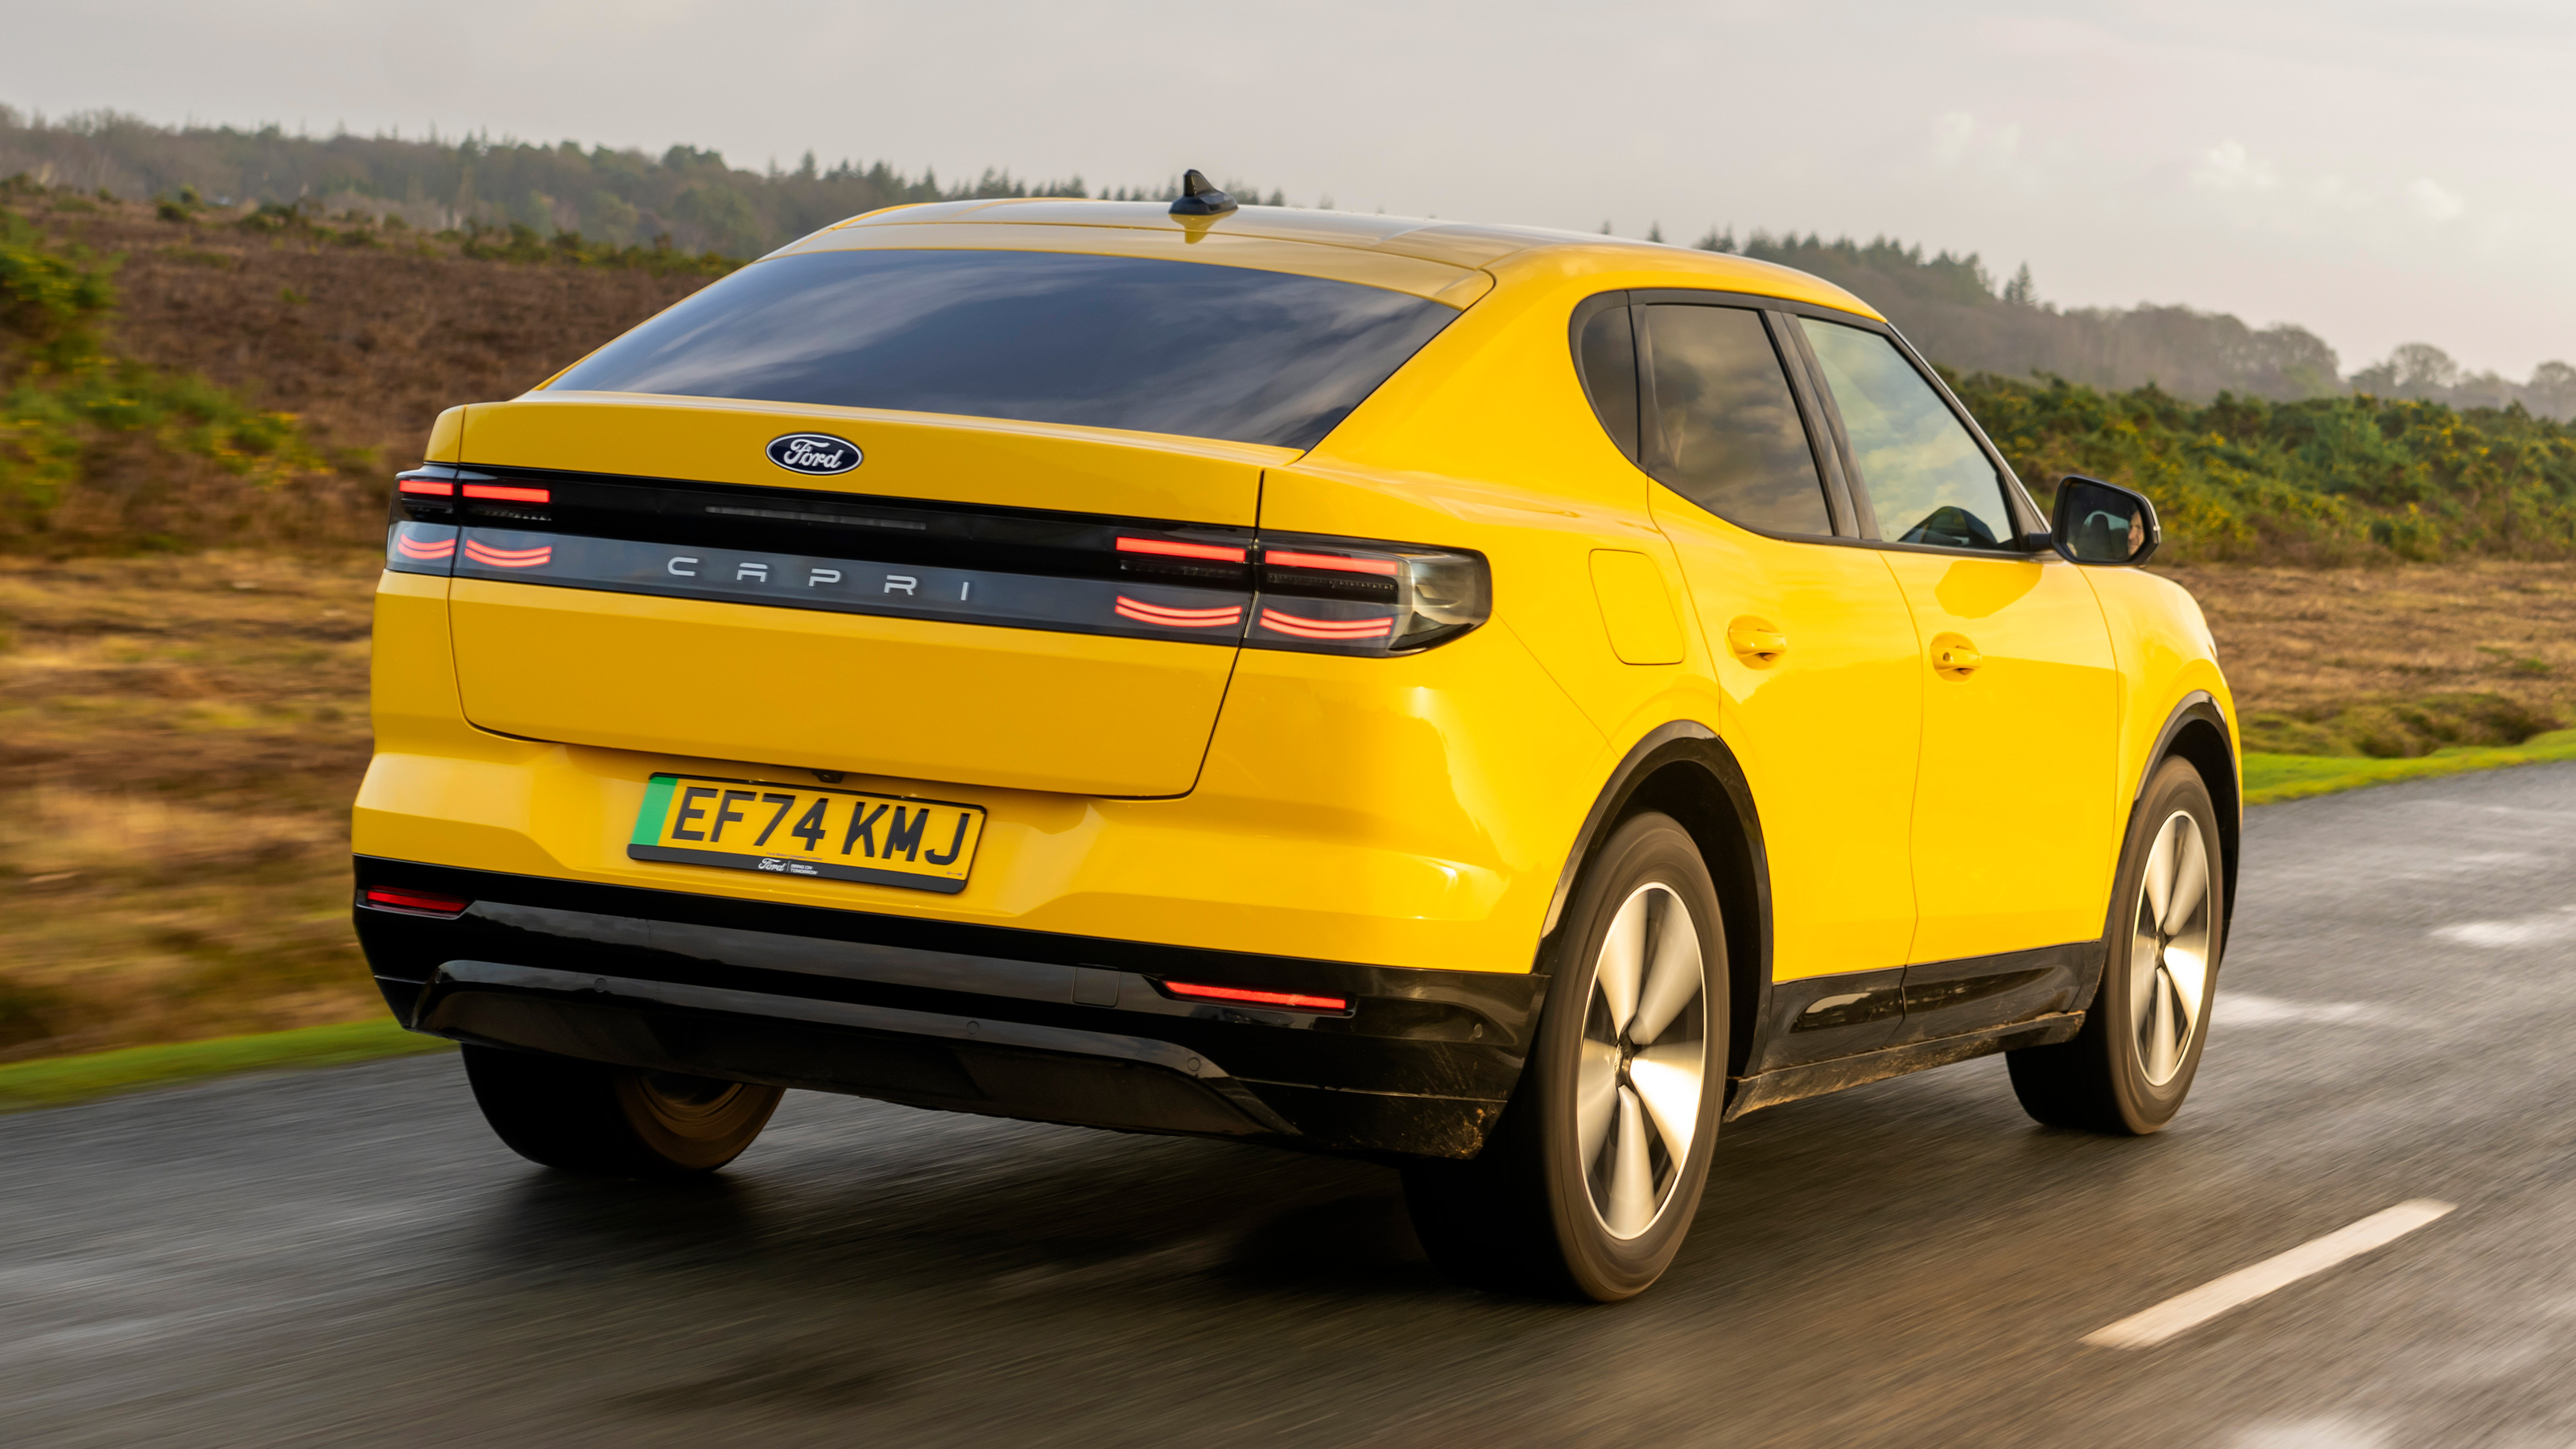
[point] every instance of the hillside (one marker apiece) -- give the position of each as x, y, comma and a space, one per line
1951, 305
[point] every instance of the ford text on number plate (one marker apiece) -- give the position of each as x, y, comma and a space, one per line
924, 845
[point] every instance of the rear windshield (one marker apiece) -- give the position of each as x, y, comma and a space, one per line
1114, 342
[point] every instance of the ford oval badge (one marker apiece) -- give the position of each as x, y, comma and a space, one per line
816, 453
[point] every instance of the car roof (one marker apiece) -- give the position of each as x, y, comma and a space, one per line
1453, 244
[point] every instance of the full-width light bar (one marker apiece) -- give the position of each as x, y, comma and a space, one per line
1174, 548
1338, 563
505, 494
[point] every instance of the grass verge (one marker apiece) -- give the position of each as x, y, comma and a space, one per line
2270, 778
58, 1081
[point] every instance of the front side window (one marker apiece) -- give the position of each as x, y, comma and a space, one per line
1192, 348
1726, 431
1925, 474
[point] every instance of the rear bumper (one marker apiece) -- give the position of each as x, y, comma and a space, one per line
981, 1019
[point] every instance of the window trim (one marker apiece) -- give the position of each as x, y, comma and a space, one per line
1839, 513
1847, 499
2027, 517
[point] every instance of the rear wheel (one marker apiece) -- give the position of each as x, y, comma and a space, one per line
614, 1121
1591, 1179
2130, 1067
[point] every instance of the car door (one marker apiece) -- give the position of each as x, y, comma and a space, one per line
1810, 638
2014, 796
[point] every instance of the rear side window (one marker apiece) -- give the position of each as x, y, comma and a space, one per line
1608, 356
1726, 431
1191, 348
1926, 476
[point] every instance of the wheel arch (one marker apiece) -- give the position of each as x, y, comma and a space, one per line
1684, 770
2198, 731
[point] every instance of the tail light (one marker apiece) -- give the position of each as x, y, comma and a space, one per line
1346, 596
412, 902
1248, 996
434, 491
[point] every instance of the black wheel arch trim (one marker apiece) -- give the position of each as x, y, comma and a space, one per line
2221, 770
1744, 883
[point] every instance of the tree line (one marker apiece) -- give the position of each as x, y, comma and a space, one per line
692, 202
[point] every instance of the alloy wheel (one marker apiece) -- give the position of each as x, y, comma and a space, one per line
1645, 1058
2169, 949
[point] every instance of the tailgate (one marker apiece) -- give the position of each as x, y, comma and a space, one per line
991, 604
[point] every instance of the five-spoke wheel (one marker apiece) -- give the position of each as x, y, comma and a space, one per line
2170, 928
1588, 1184
2131, 1065
1645, 1060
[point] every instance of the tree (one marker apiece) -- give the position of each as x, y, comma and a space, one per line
2021, 291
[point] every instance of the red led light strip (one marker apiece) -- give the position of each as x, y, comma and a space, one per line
1145, 613
1292, 999
428, 487
510, 558
509, 495
1173, 549
1283, 558
410, 547
1299, 628
394, 898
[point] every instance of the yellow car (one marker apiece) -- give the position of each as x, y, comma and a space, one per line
1496, 701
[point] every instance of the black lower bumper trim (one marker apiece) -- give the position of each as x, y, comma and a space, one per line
1003, 1068
981, 1019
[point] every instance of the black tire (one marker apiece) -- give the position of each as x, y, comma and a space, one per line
610, 1121
1533, 1212
2126, 1073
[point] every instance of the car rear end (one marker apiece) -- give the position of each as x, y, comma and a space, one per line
875, 675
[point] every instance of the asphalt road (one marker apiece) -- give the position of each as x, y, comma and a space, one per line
348, 1257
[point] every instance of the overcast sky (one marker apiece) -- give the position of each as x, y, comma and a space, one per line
2380, 172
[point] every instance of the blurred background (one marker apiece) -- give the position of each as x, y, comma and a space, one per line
2298, 274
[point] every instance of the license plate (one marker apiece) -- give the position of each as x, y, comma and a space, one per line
923, 845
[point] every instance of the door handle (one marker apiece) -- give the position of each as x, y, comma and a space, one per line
1953, 654
1755, 641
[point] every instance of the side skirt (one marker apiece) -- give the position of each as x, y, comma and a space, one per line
1790, 1084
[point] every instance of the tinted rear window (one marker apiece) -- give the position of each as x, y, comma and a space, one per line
1114, 342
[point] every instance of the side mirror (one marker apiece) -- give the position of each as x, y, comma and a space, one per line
2103, 523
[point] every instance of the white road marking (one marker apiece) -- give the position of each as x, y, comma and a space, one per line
2190, 1310
2538, 930
2236, 1008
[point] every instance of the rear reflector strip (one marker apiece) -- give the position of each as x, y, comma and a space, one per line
424, 903
427, 488
1173, 548
1283, 558
1144, 613
507, 494
1293, 1000
1298, 627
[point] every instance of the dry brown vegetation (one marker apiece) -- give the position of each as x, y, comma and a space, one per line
365, 344
361, 341
2394, 661
179, 742
360, 335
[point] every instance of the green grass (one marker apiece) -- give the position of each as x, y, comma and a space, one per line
2290, 777
56, 1081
